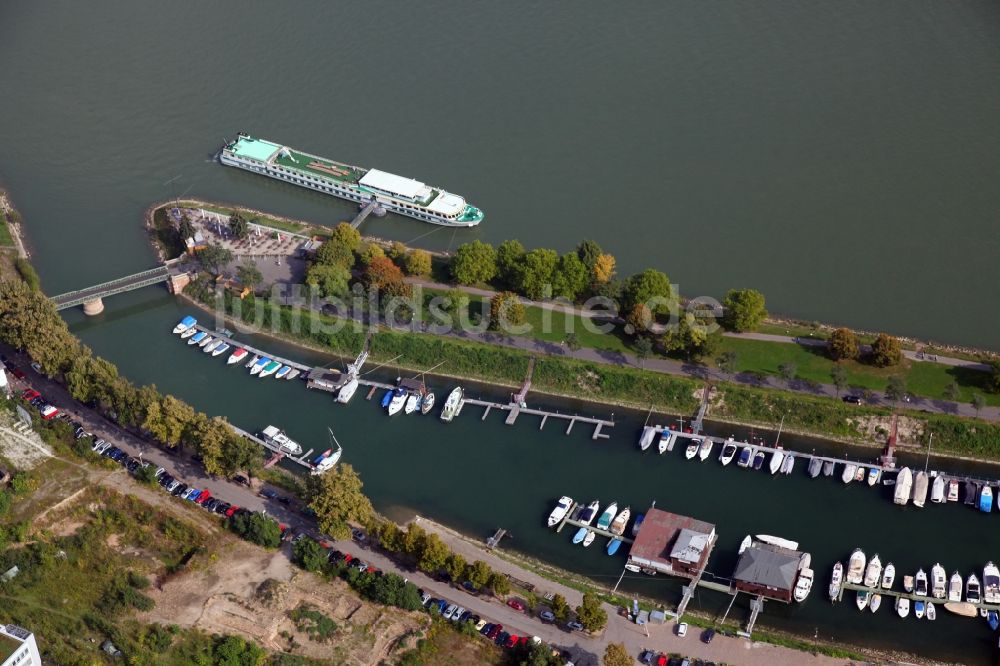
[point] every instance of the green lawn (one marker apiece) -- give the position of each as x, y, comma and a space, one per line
6, 240
923, 379
263, 220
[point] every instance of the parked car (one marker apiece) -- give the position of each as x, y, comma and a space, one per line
173, 485
221, 507
36, 366
242, 480
231, 510
79, 433
469, 587
202, 497
449, 611
49, 412
192, 494
98, 443
18, 373
494, 632
160, 471
486, 628
457, 615
573, 625
853, 399
646, 657
37, 401
682, 629
424, 598
268, 493
502, 638
210, 504
707, 636
661, 659
516, 604
547, 616
179, 490
440, 605
30, 394
480, 625
358, 536
511, 641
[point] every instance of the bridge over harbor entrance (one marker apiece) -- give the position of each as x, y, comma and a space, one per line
91, 298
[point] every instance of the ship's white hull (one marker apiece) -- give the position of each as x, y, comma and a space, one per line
341, 191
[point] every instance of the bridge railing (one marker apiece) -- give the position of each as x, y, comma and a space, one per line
111, 287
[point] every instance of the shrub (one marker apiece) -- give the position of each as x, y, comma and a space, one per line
886, 351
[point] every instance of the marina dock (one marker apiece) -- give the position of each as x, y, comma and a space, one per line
845, 586
567, 520
514, 411
278, 453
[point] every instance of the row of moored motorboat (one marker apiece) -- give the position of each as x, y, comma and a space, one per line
261, 366
879, 579
610, 520
745, 454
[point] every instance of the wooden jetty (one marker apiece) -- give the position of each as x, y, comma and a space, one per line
907, 595
568, 520
494, 540
514, 411
301, 460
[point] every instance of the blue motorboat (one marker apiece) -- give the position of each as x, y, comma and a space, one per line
387, 398
613, 546
284, 370
918, 609
580, 535
185, 324
197, 337
638, 524
993, 619
746, 457
986, 499
259, 365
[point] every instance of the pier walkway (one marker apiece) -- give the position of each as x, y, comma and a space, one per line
371, 207
844, 587
301, 460
515, 410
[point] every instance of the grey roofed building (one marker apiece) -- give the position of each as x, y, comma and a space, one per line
768, 570
689, 546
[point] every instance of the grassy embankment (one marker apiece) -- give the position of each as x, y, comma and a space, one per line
609, 383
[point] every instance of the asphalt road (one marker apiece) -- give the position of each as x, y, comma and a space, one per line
585, 649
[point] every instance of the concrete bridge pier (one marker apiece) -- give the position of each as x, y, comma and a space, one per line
94, 307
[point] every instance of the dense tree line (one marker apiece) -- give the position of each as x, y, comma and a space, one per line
29, 321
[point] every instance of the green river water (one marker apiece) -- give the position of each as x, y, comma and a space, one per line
841, 157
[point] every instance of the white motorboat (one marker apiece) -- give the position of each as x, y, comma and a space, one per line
746, 543
728, 452
259, 365
901, 491
873, 573
692, 449
919, 496
815, 466
874, 474
705, 449
803, 585
939, 581
397, 403
875, 602
664, 442
561, 509
856, 567
931, 611
777, 541
937, 490
919, 608
412, 400
777, 458
862, 599
859, 473
888, 576
902, 606
269, 369
920, 584
295, 372
955, 587
646, 439
188, 333
836, 580
849, 471
237, 356
908, 584
185, 324
211, 346
589, 539
452, 404
207, 340
991, 584
610, 511
788, 466
952, 490
619, 523
252, 362
220, 350
197, 338
427, 403
586, 517
348, 390
276, 437
973, 591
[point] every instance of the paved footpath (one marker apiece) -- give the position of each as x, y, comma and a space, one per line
586, 650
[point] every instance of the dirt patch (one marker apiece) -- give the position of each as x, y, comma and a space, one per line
877, 428
21, 445
249, 591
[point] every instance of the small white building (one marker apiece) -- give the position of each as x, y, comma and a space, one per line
17, 647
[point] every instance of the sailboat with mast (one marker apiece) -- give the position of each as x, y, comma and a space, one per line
329, 459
